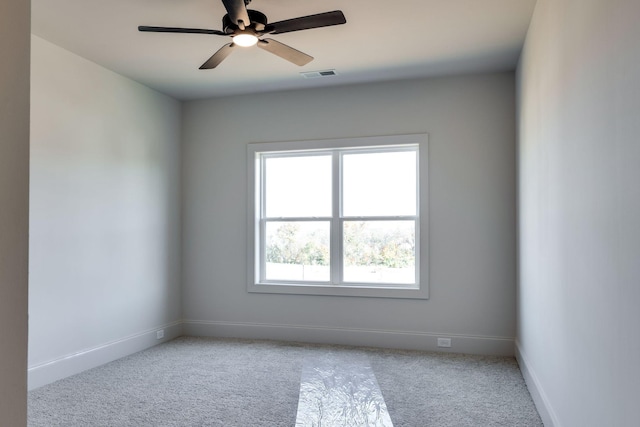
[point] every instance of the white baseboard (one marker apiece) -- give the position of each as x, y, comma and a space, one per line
71, 364
468, 344
548, 415
74, 363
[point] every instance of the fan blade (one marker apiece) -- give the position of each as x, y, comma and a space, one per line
285, 52
237, 12
307, 22
218, 57
181, 30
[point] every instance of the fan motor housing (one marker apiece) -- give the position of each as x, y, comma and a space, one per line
228, 26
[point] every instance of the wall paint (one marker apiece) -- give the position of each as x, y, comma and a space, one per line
579, 211
105, 207
471, 125
14, 209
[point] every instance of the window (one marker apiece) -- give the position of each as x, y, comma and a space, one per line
339, 217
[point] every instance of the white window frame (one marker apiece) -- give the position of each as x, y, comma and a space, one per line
257, 283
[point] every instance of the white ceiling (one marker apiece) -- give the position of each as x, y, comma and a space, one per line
382, 40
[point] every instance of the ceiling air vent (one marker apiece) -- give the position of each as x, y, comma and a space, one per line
316, 74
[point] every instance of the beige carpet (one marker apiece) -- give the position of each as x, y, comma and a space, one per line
209, 382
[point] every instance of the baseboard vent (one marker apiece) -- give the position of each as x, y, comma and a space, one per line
316, 74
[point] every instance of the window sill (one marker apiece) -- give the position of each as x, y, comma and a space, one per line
342, 290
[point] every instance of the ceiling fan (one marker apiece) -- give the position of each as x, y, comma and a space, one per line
246, 27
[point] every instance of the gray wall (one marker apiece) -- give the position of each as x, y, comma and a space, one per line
471, 125
579, 204
14, 209
105, 207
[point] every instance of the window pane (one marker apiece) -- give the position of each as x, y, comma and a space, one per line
379, 184
298, 186
297, 250
379, 252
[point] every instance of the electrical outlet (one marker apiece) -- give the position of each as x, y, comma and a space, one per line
160, 334
444, 342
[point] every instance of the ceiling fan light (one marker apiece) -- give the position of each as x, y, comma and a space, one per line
245, 40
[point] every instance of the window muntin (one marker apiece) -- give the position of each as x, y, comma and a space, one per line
397, 227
